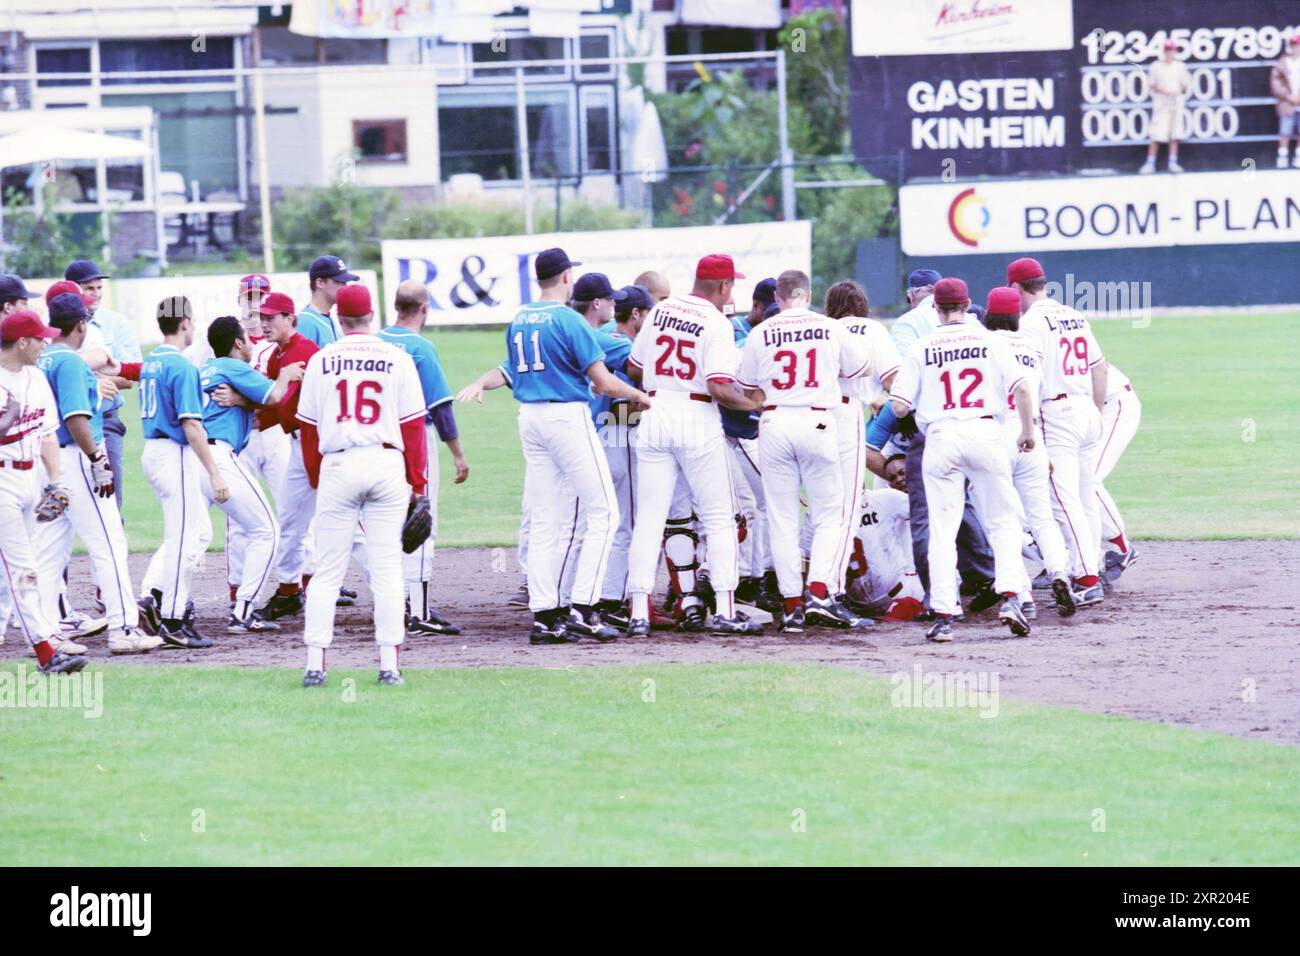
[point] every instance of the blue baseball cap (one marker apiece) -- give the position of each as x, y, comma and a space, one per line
771, 310
635, 297
11, 288
68, 308
594, 285
765, 291
922, 277
551, 262
331, 267
83, 270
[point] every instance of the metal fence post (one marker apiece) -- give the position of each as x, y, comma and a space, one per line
788, 207
521, 121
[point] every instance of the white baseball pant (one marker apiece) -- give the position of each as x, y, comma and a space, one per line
1120, 418
98, 523
366, 485
683, 437
297, 505
248, 510
744, 452
267, 456
616, 439
173, 472
799, 446
559, 444
851, 447
1029, 474
954, 452
19, 493
417, 567
1071, 429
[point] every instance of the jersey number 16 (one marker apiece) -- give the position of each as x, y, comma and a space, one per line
365, 409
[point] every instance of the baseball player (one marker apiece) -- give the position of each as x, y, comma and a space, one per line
327, 275
362, 413
91, 513
792, 366
881, 578
1120, 417
847, 301
957, 381
295, 496
1029, 469
1074, 391
228, 428
551, 354
29, 437
412, 306
175, 449
655, 283
685, 356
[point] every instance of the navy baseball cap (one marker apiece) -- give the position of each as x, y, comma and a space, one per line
67, 308
765, 291
771, 310
331, 267
83, 270
594, 285
635, 297
11, 288
551, 262
922, 277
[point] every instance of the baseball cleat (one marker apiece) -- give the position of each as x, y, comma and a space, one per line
75, 627
429, 626
282, 605
150, 616
984, 598
638, 627
589, 624
614, 613
520, 597
827, 612
253, 624
1087, 597
1029, 609
740, 624
1116, 563
66, 645
546, 634
941, 630
347, 598
704, 591
792, 622
131, 640
747, 590
180, 634
62, 663
1063, 594
1043, 582
391, 678
313, 679
1013, 616
769, 595
694, 619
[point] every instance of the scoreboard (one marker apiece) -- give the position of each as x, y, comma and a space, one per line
974, 106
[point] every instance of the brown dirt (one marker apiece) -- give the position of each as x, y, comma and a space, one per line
1193, 628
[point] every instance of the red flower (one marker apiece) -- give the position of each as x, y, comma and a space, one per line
719, 187
693, 150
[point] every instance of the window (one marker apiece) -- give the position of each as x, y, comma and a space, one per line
380, 141
519, 48
141, 56
596, 46
197, 135
63, 60
477, 134
597, 129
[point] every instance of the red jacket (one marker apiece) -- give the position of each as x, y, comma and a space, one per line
285, 414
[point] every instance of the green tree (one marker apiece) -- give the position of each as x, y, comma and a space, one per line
38, 244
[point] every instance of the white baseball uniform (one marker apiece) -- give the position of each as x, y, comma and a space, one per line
881, 570
1029, 470
797, 359
20, 491
684, 344
1071, 423
957, 380
1120, 417
857, 396
358, 392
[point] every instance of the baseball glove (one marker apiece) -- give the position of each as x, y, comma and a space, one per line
54, 501
418, 523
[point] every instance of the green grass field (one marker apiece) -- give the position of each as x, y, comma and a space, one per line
759, 764
1217, 456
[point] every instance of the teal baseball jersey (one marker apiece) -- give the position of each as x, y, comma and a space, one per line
316, 327
169, 393
232, 425
617, 347
433, 381
76, 391
549, 348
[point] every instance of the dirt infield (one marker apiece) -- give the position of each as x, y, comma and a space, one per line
1201, 634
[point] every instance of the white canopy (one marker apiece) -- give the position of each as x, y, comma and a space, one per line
43, 144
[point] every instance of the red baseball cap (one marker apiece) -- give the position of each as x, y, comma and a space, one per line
254, 283
275, 303
62, 286
25, 324
1171, 44
354, 301
1023, 269
951, 291
1003, 300
717, 267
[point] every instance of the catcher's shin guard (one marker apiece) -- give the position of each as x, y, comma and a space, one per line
680, 543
